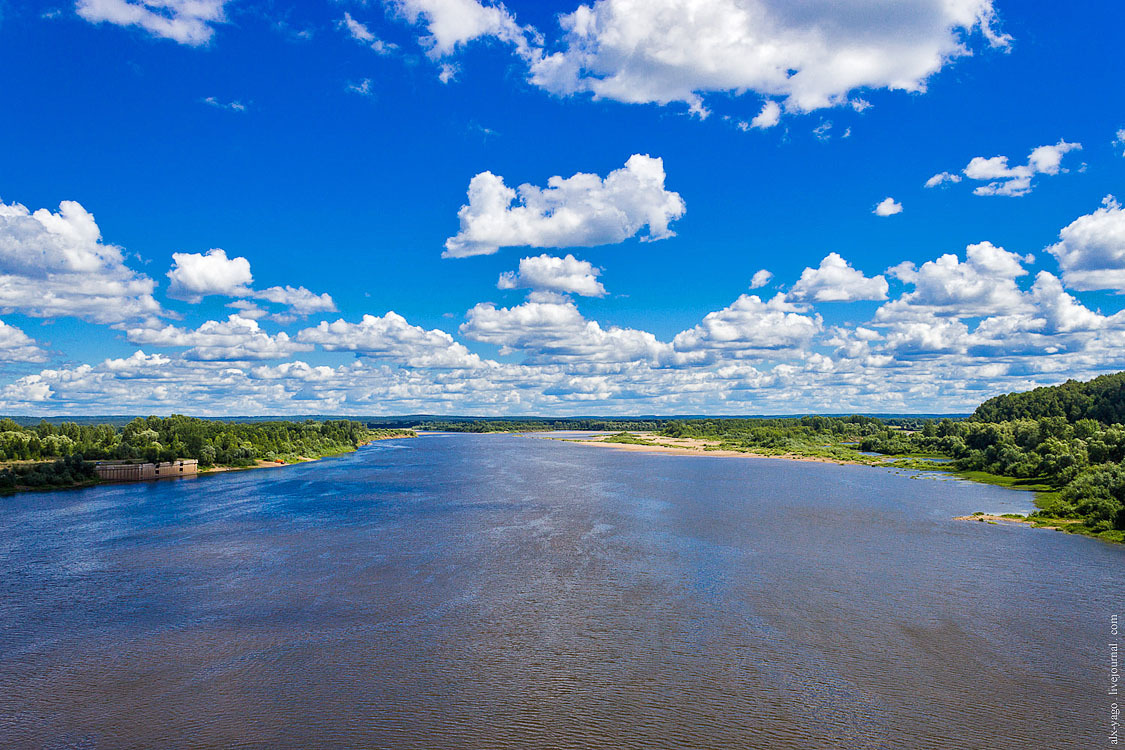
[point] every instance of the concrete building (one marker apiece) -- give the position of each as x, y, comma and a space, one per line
120, 471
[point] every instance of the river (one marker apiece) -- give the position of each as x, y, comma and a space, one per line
499, 591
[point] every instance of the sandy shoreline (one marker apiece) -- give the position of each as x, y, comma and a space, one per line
259, 464
993, 518
697, 447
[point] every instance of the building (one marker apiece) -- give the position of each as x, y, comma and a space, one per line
121, 471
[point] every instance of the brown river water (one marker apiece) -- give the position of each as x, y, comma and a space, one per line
496, 591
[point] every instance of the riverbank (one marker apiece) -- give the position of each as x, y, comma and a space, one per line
1055, 524
218, 469
297, 460
652, 443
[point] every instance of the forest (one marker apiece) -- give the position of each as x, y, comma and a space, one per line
73, 447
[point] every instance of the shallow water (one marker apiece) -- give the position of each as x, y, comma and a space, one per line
498, 591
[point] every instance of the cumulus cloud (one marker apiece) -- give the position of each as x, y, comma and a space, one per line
452, 23
887, 207
941, 178
185, 21
196, 275
1091, 249
546, 273
750, 327
760, 279
578, 211
17, 346
299, 300
810, 55
983, 284
238, 338
392, 337
55, 265
836, 281
768, 117
552, 331
1016, 181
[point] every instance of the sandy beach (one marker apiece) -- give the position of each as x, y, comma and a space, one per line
992, 518
691, 446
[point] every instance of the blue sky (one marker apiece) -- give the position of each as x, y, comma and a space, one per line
701, 231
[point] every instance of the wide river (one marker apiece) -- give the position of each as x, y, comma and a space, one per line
498, 591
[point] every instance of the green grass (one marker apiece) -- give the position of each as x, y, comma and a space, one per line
627, 438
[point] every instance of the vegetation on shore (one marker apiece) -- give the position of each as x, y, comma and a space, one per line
72, 471
60, 455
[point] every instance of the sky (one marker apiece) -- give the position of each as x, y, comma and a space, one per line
381, 207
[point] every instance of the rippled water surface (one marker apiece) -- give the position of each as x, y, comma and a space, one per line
496, 591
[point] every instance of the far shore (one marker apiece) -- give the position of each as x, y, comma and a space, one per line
693, 447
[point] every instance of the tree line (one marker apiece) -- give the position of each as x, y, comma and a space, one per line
167, 438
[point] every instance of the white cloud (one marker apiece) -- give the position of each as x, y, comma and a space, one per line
553, 331
984, 284
359, 32
55, 265
391, 337
196, 275
941, 178
363, 88
232, 106
887, 207
17, 346
578, 211
247, 309
768, 117
1119, 140
836, 281
564, 275
238, 338
453, 23
760, 279
750, 327
1091, 249
813, 55
1016, 181
299, 300
185, 21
